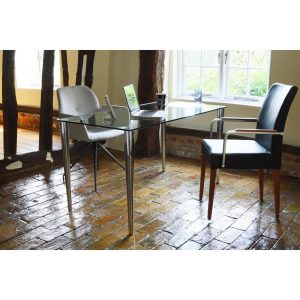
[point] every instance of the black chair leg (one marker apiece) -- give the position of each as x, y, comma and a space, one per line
261, 184
97, 156
95, 148
276, 180
212, 185
202, 176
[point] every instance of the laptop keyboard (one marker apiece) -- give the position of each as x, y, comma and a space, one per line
148, 113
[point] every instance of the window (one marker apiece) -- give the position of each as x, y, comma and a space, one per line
234, 74
29, 66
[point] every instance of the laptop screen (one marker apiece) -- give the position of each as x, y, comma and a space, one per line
131, 98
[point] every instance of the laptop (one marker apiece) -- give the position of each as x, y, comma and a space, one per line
134, 108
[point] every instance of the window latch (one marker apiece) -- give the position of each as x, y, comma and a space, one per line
226, 57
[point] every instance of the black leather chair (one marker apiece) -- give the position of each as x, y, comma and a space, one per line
264, 152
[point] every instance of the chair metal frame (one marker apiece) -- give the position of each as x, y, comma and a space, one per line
239, 130
77, 95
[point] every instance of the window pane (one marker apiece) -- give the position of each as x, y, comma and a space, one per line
29, 66
192, 77
56, 69
210, 80
244, 74
193, 57
237, 82
259, 58
238, 58
210, 57
258, 80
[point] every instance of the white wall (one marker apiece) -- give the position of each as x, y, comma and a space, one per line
123, 70
101, 74
285, 68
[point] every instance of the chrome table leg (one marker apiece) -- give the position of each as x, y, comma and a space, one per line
95, 150
129, 154
220, 132
66, 158
163, 145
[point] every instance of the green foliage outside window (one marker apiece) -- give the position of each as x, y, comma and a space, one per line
247, 72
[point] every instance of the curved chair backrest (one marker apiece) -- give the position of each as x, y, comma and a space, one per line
273, 115
77, 100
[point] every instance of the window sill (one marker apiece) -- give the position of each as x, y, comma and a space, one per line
34, 87
240, 102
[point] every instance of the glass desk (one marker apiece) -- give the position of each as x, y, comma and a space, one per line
174, 111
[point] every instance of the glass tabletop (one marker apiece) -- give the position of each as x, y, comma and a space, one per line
124, 121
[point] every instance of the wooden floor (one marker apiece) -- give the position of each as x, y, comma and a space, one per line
167, 212
28, 141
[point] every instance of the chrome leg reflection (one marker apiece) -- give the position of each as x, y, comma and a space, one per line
66, 158
163, 145
220, 132
129, 154
220, 124
95, 149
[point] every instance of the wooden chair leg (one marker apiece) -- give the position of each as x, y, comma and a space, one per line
276, 180
212, 185
261, 184
202, 177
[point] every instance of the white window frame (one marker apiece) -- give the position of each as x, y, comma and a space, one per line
175, 82
248, 69
181, 69
24, 83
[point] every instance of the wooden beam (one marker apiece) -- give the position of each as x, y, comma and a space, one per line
148, 139
160, 70
31, 110
65, 69
9, 103
88, 79
45, 136
79, 67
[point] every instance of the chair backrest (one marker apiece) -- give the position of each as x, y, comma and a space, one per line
273, 115
77, 100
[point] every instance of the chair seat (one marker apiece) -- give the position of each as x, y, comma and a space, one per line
240, 154
98, 134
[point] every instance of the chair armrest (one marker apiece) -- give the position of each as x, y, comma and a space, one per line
253, 131
239, 119
245, 131
230, 119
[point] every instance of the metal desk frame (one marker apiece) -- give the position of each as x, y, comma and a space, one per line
129, 155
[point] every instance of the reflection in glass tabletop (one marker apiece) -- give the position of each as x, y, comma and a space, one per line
174, 111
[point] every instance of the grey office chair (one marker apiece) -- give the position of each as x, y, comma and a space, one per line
81, 100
